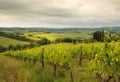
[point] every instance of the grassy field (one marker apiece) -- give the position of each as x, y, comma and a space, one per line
39, 35
15, 71
4, 41
53, 36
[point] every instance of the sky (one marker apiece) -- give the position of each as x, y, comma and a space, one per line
59, 13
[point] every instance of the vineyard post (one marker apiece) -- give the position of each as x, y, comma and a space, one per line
29, 60
24, 59
34, 61
119, 77
80, 60
54, 72
93, 53
42, 60
71, 76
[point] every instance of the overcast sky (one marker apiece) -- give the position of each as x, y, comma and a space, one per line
59, 13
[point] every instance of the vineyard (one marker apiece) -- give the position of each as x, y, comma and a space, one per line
101, 61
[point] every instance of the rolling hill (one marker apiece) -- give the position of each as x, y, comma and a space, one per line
4, 41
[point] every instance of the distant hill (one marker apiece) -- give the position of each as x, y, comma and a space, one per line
111, 28
115, 29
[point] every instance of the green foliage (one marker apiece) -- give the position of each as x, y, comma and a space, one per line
103, 59
43, 41
107, 62
98, 35
107, 38
66, 40
116, 37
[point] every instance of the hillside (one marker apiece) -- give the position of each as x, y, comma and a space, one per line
66, 62
4, 41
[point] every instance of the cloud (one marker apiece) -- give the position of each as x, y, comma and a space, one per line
59, 13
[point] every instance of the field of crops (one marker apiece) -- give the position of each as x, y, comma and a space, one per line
96, 61
4, 41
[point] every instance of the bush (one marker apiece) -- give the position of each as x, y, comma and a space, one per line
43, 41
2, 49
65, 40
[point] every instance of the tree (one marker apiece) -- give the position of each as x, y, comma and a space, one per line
43, 41
58, 40
98, 35
66, 40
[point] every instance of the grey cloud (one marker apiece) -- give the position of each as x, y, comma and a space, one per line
8, 5
17, 8
55, 12
61, 12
